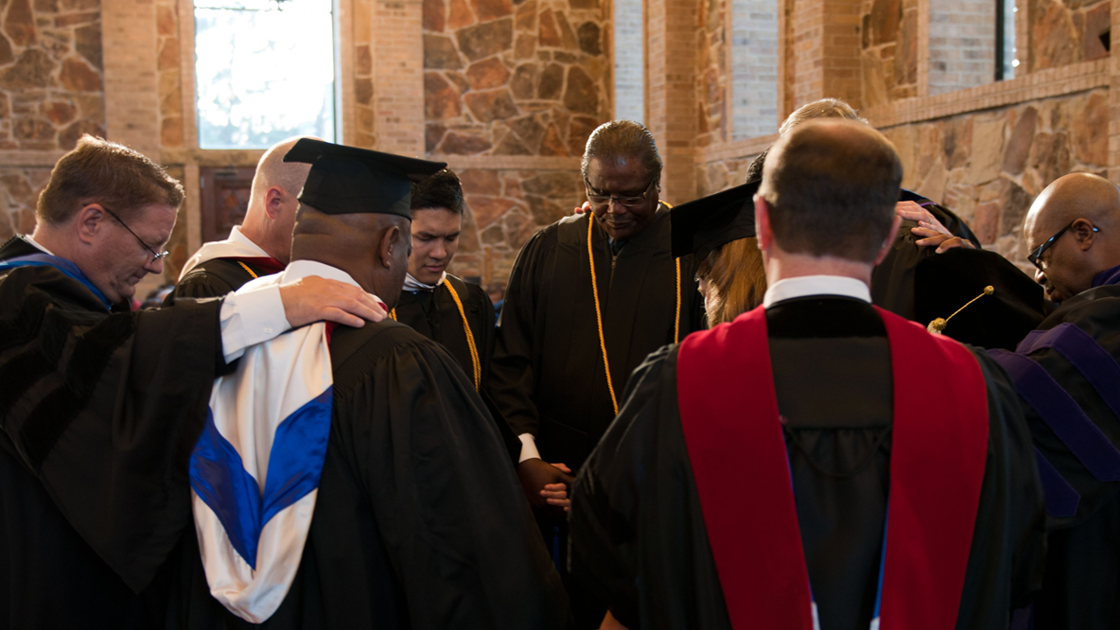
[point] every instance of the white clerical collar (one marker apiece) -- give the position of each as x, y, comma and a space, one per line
237, 236
413, 285
303, 268
803, 286
34, 243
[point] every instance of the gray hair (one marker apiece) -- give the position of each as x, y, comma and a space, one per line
620, 140
824, 108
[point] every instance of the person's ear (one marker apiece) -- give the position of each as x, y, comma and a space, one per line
1084, 232
762, 224
273, 202
91, 218
391, 240
885, 248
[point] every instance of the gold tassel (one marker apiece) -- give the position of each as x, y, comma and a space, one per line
938, 325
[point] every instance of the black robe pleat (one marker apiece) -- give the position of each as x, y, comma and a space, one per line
547, 375
99, 413
420, 521
638, 536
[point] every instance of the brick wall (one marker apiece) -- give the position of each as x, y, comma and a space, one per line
962, 43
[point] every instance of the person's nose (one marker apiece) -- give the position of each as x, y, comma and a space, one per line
614, 206
439, 251
1040, 276
154, 266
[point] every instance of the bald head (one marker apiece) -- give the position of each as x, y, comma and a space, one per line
273, 201
831, 186
373, 248
1087, 207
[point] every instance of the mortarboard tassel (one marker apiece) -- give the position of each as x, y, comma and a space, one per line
938, 325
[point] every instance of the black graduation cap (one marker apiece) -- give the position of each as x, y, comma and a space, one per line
349, 180
702, 225
999, 318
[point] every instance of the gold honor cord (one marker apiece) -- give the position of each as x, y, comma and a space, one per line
470, 336
475, 362
599, 314
246, 268
938, 325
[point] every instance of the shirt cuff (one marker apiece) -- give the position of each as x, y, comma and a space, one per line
528, 447
251, 317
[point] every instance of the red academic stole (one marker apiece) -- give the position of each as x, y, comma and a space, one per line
729, 414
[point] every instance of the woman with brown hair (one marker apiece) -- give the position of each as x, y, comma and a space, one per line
732, 280
719, 231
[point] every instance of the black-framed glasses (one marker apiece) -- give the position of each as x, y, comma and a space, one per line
1036, 255
629, 202
155, 256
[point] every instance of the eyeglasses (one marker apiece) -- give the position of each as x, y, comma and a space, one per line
155, 256
1036, 255
628, 202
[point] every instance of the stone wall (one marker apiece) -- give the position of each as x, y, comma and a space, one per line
713, 76
508, 206
500, 80
1065, 32
507, 85
51, 92
889, 50
988, 167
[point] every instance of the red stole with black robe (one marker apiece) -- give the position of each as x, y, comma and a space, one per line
729, 415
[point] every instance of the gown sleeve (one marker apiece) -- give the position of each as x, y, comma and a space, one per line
447, 502
106, 413
512, 380
199, 284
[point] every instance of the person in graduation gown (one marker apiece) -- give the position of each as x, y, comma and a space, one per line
1068, 377
774, 471
259, 246
924, 222
419, 521
588, 298
443, 307
100, 405
436, 304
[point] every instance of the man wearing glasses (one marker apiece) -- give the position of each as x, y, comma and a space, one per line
588, 298
1068, 377
100, 406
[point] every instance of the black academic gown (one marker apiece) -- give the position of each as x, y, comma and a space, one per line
638, 535
893, 282
99, 412
435, 315
215, 278
419, 521
1081, 589
547, 374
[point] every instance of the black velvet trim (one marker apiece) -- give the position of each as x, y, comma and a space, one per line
823, 317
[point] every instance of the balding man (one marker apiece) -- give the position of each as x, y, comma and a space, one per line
262, 244
589, 297
1067, 375
781, 471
